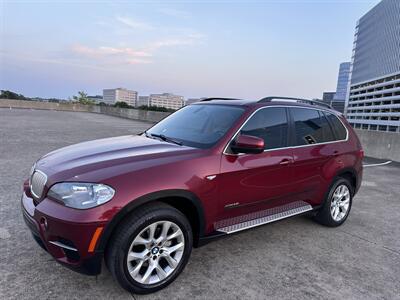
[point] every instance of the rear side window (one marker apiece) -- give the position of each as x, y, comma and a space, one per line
311, 127
337, 126
271, 125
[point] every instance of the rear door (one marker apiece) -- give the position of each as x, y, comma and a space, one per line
314, 148
251, 182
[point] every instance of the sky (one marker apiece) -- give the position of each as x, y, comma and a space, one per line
244, 49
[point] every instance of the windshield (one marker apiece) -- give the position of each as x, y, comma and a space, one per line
200, 126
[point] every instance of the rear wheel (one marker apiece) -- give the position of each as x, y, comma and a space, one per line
337, 205
150, 249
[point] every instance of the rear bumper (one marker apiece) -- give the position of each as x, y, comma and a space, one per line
66, 242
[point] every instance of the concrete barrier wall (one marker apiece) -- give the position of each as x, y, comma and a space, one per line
136, 114
128, 113
378, 144
43, 105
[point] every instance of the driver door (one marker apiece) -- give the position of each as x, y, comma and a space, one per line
252, 182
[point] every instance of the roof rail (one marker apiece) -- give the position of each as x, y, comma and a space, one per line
301, 100
217, 98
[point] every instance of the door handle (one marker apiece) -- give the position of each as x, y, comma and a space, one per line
285, 161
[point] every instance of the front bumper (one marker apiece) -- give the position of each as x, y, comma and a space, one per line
67, 242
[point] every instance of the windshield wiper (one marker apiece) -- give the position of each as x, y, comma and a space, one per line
163, 138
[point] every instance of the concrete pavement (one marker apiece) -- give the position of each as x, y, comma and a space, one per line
291, 259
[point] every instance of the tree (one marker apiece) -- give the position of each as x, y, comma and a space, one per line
156, 108
122, 104
11, 95
83, 98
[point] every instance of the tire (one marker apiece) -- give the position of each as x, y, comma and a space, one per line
154, 271
332, 203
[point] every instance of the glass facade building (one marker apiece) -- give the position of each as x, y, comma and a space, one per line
342, 82
373, 101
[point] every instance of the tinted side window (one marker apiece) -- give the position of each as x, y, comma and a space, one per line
311, 127
337, 126
269, 124
327, 133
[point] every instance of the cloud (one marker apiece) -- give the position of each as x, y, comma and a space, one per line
129, 55
171, 42
124, 51
143, 55
134, 24
189, 39
135, 61
175, 13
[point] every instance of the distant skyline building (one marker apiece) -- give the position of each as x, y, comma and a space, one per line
337, 99
374, 97
96, 98
328, 96
143, 101
192, 100
111, 96
342, 81
167, 100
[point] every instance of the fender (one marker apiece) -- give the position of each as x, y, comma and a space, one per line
337, 174
354, 173
129, 208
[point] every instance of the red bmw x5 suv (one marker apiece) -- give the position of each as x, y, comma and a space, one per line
210, 169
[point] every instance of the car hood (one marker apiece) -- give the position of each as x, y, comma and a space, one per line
111, 154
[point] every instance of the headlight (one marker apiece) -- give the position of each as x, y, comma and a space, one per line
81, 195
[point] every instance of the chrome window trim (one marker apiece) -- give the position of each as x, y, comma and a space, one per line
289, 147
30, 183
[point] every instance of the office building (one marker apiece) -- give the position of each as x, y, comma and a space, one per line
111, 96
143, 101
167, 100
328, 96
373, 102
342, 87
338, 105
342, 82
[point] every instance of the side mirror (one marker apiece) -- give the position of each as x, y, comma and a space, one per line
248, 144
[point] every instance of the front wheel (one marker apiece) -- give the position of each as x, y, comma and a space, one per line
337, 205
150, 249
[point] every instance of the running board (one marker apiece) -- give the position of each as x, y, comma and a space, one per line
248, 221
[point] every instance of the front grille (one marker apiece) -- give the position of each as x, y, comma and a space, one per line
38, 181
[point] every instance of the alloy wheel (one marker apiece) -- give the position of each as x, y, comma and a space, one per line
155, 252
340, 203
